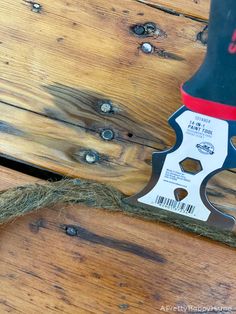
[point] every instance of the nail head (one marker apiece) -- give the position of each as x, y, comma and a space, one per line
91, 157
106, 107
150, 27
139, 29
147, 48
107, 134
203, 36
36, 7
71, 231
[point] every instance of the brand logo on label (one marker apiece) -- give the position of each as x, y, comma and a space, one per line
206, 148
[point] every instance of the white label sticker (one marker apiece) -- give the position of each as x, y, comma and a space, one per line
203, 150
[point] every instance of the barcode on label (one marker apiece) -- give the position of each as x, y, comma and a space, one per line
174, 205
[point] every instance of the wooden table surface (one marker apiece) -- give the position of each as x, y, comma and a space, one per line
57, 66
115, 264
76, 54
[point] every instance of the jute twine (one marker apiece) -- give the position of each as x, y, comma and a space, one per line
21, 200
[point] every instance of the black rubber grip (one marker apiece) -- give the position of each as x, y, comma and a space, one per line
216, 78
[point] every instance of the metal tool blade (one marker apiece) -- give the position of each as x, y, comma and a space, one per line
203, 148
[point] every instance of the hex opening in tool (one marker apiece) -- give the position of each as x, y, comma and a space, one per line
191, 165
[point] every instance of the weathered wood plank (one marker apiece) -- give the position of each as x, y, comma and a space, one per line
198, 9
11, 178
75, 53
67, 64
62, 148
116, 264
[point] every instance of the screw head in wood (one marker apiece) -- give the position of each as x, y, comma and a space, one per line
139, 30
36, 7
147, 48
106, 107
107, 134
71, 231
91, 157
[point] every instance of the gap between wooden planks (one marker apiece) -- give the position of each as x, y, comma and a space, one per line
195, 9
116, 264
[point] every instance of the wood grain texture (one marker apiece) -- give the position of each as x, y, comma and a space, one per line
115, 264
198, 9
11, 178
81, 51
75, 54
61, 147
221, 191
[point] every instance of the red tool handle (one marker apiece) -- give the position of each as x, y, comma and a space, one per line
212, 90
